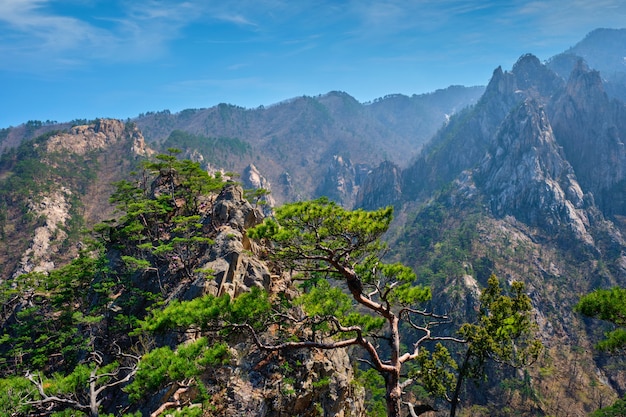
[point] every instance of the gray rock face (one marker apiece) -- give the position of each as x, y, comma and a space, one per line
104, 133
462, 144
592, 130
55, 205
233, 266
252, 179
526, 175
568, 139
47, 238
382, 187
320, 384
257, 383
342, 180
231, 209
234, 271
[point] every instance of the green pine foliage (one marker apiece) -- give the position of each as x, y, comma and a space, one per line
12, 390
164, 365
63, 327
371, 299
49, 330
209, 313
618, 409
321, 300
436, 371
503, 330
161, 227
374, 385
608, 305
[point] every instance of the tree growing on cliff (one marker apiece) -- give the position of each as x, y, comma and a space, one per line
353, 298
502, 334
608, 305
84, 389
325, 243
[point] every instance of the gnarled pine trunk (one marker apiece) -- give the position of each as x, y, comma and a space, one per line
393, 395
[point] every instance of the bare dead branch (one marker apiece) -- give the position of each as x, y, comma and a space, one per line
46, 399
423, 313
95, 389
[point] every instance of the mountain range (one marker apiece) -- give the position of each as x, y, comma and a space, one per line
524, 178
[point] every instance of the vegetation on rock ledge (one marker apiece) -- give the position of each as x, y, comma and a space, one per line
112, 333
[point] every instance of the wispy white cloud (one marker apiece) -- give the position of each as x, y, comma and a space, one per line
36, 36
28, 23
565, 15
236, 19
33, 34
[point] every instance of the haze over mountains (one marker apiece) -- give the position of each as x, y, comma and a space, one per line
525, 178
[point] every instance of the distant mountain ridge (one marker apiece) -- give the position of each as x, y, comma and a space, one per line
302, 138
603, 50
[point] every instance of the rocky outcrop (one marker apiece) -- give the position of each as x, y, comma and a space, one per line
342, 180
381, 188
259, 383
251, 178
91, 151
100, 135
573, 147
462, 143
230, 262
54, 212
320, 383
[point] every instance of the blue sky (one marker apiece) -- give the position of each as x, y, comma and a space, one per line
62, 60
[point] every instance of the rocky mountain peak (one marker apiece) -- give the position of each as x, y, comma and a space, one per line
591, 127
342, 180
535, 79
528, 78
526, 70
500, 82
527, 176
585, 85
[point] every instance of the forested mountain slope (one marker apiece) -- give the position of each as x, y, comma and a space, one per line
53, 186
296, 143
